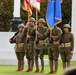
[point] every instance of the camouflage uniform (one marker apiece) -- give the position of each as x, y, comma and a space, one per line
66, 46
30, 30
53, 49
39, 46
19, 48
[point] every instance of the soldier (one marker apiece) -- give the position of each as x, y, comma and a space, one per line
30, 36
53, 49
66, 46
39, 46
19, 47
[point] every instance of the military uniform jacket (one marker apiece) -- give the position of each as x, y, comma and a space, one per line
56, 32
40, 38
42, 33
19, 47
30, 30
67, 42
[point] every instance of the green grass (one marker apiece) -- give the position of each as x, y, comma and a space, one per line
45, 56
10, 70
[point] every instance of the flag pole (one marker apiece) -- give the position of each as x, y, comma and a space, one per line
28, 12
28, 16
50, 34
36, 21
28, 21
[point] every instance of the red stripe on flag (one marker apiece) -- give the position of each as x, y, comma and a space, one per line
38, 0
27, 6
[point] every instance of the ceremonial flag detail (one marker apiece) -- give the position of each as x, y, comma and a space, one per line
26, 5
35, 4
53, 13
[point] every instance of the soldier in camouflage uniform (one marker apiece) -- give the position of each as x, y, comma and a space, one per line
53, 49
30, 36
66, 46
19, 47
39, 46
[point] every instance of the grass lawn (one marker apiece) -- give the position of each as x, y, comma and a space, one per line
10, 70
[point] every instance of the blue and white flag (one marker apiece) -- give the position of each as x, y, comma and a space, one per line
53, 13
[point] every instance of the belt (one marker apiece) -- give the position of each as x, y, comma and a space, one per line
65, 45
42, 42
54, 42
31, 41
20, 45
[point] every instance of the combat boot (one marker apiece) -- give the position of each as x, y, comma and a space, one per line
22, 65
56, 67
28, 66
68, 64
19, 65
64, 65
42, 71
36, 71
31, 65
51, 67
37, 66
42, 65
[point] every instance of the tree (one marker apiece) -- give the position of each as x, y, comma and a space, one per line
66, 10
6, 10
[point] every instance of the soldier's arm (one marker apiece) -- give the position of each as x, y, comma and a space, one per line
39, 35
25, 32
33, 34
58, 34
72, 42
47, 33
12, 40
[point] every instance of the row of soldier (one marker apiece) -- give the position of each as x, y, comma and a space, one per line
30, 42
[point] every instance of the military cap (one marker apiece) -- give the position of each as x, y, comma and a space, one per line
66, 26
32, 19
41, 20
21, 25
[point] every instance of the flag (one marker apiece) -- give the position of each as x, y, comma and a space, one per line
35, 4
27, 6
53, 13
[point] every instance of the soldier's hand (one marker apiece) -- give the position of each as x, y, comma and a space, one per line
28, 36
37, 32
57, 43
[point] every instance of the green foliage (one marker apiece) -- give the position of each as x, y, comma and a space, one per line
66, 10
6, 12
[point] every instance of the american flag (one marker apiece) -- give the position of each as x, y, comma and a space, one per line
27, 6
